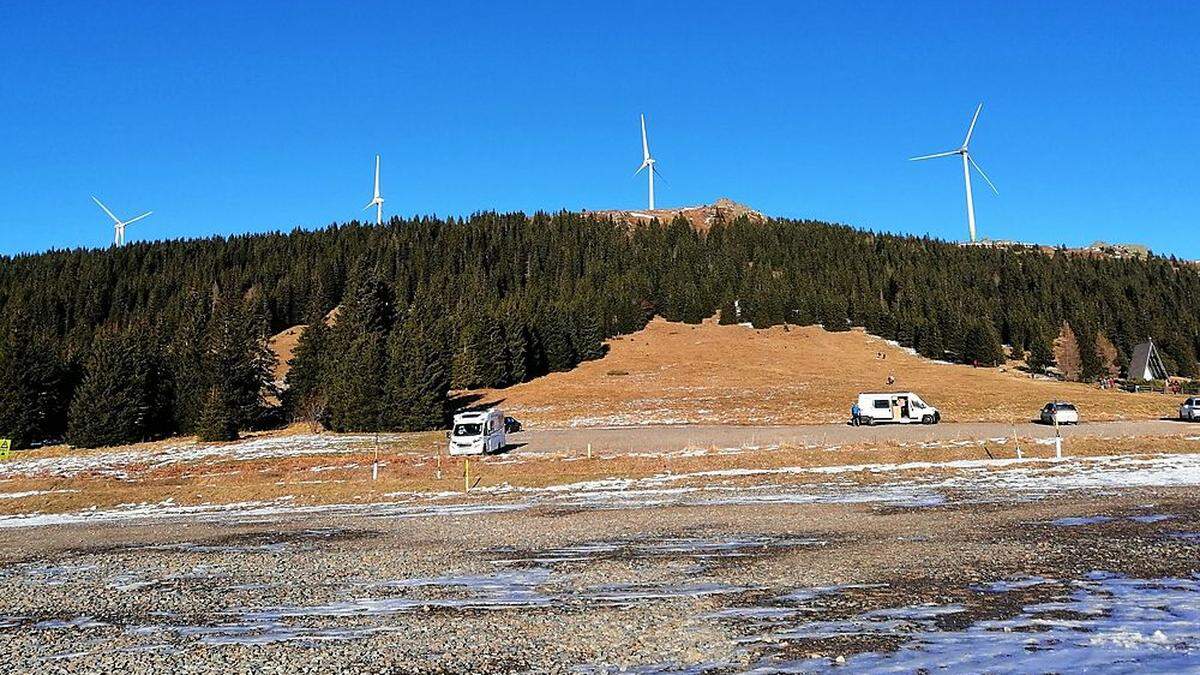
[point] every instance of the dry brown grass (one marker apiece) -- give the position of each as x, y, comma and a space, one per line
283, 344
678, 373
410, 465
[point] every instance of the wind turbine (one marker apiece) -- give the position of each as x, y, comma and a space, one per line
647, 163
967, 162
118, 224
377, 201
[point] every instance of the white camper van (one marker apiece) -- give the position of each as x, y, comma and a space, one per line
477, 433
903, 407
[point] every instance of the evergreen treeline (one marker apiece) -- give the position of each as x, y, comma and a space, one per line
110, 346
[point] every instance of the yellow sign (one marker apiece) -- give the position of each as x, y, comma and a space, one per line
5, 448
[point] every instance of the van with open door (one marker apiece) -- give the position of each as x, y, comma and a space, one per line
478, 432
903, 407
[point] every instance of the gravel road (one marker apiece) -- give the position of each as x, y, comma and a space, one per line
661, 438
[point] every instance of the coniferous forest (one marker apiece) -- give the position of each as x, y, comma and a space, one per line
102, 347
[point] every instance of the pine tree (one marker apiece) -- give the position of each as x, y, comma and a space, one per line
417, 382
35, 387
556, 341
467, 370
516, 351
237, 361
930, 344
982, 344
218, 419
1091, 364
833, 314
305, 396
121, 398
589, 336
493, 360
1041, 353
356, 397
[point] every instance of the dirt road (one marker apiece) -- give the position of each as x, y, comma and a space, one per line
668, 438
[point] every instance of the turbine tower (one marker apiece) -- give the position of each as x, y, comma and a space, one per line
647, 163
118, 224
377, 201
967, 162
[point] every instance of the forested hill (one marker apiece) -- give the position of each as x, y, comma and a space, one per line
110, 346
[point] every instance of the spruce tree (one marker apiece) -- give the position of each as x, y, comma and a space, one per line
467, 363
493, 359
121, 397
417, 381
35, 388
556, 341
516, 351
237, 360
218, 419
1041, 353
356, 397
589, 335
982, 344
304, 396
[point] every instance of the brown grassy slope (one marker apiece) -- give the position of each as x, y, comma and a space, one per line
284, 345
676, 373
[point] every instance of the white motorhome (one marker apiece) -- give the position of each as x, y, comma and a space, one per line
903, 407
477, 433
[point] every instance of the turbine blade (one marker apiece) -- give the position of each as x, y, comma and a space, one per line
369, 205
659, 174
110, 213
639, 169
134, 220
377, 176
971, 129
939, 154
645, 144
981, 173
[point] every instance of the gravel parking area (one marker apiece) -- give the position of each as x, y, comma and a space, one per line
720, 587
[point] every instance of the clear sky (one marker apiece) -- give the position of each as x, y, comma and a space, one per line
230, 117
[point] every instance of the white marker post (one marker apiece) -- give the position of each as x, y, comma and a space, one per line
1057, 438
375, 464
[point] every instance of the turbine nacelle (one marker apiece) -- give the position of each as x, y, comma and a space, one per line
118, 224
968, 162
377, 200
647, 163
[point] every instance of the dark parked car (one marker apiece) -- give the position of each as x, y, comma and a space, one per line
511, 425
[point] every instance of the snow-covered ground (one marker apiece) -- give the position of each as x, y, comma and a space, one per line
913, 484
119, 463
1104, 623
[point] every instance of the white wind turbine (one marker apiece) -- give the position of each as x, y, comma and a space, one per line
376, 201
118, 224
647, 163
967, 162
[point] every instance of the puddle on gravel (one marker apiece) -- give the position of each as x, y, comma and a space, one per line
700, 549
1152, 518
1076, 521
517, 589
1103, 622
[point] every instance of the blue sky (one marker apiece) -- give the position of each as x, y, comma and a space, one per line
238, 117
